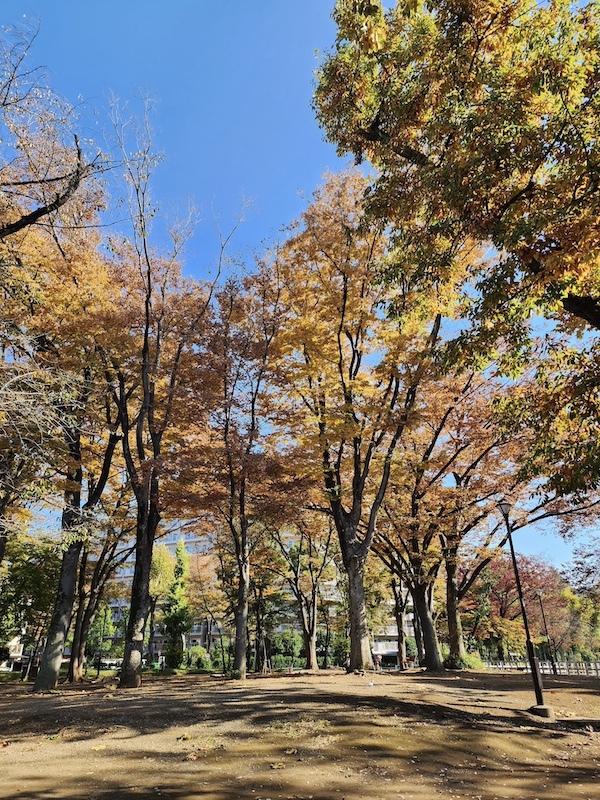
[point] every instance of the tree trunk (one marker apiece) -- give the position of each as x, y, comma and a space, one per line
141, 602
501, 650
455, 633
152, 630
310, 645
360, 647
89, 615
240, 663
75, 674
260, 650
308, 622
131, 669
400, 615
418, 637
47, 677
433, 656
327, 640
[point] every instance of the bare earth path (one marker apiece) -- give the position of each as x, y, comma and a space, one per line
302, 737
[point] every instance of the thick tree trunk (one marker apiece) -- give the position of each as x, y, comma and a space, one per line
131, 669
310, 645
141, 602
360, 647
47, 677
240, 661
309, 635
433, 656
455, 633
308, 622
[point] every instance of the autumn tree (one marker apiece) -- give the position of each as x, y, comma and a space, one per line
209, 601
151, 380
463, 454
106, 547
235, 463
352, 373
494, 617
561, 413
151, 372
306, 547
56, 293
42, 163
480, 119
29, 444
48, 201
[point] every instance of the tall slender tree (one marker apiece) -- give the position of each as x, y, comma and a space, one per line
352, 374
246, 321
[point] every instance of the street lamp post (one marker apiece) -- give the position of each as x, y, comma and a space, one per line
540, 708
552, 655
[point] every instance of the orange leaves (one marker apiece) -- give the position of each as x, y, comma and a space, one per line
348, 371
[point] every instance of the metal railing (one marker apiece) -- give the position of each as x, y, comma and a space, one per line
562, 667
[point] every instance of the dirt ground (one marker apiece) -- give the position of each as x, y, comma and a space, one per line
410, 736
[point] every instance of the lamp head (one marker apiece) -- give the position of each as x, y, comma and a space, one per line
504, 507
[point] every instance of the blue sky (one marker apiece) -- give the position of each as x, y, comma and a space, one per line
233, 84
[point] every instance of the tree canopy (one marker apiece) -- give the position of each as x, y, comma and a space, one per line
481, 120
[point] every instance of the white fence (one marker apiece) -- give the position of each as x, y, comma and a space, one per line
562, 667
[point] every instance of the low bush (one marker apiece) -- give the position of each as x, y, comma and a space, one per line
468, 661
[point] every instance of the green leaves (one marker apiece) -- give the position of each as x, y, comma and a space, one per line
481, 120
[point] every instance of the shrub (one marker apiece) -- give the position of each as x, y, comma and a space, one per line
288, 644
198, 658
411, 647
468, 661
279, 661
340, 650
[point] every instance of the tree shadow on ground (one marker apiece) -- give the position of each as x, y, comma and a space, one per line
180, 702
308, 739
